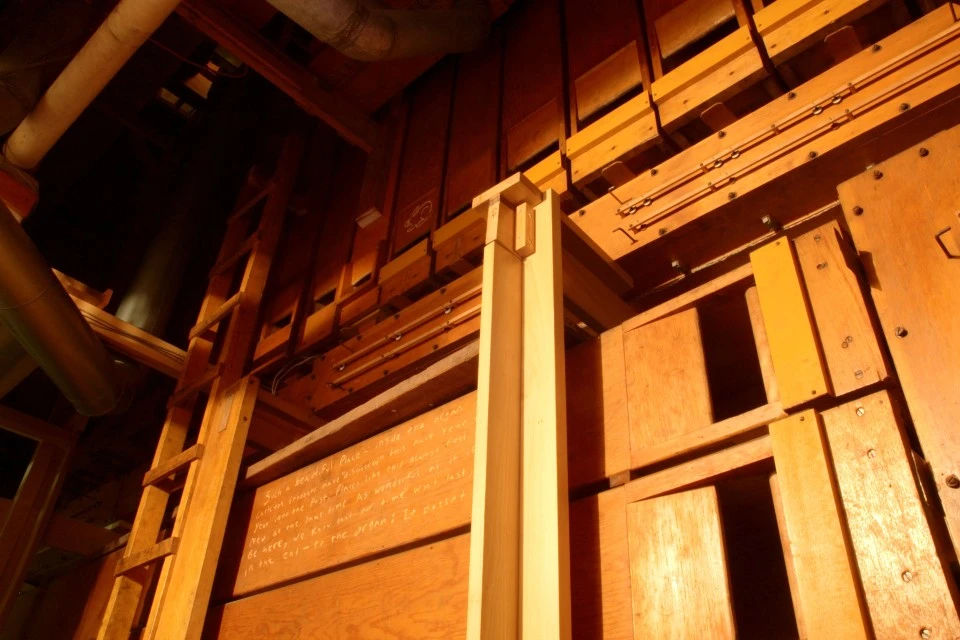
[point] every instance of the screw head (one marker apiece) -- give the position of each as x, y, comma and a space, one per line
662, 231
677, 266
904, 106
791, 95
654, 172
721, 134
858, 374
926, 633
860, 412
877, 174
821, 266
871, 453
858, 210
907, 576
924, 152
731, 195
900, 332
582, 212
876, 48
812, 155
952, 481
817, 238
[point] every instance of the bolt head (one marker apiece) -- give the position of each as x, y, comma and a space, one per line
858, 210
952, 481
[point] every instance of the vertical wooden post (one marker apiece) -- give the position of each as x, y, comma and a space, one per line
546, 544
494, 584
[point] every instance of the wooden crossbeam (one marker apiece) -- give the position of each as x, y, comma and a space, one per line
172, 465
35, 429
162, 549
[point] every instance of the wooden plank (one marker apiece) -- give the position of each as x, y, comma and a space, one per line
290, 77
494, 589
545, 549
407, 484
701, 471
428, 600
913, 285
846, 333
763, 346
35, 429
665, 361
598, 436
787, 554
601, 604
513, 190
216, 317
172, 465
678, 567
828, 593
158, 551
709, 436
472, 158
905, 583
794, 348
418, 204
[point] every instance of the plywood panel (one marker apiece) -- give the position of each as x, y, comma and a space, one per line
826, 595
598, 436
472, 159
797, 359
405, 484
914, 286
601, 600
678, 569
421, 173
903, 579
850, 348
667, 392
419, 594
532, 83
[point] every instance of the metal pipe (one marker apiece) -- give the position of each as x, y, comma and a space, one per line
40, 314
127, 27
362, 30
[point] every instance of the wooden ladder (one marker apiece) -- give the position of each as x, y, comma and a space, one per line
218, 352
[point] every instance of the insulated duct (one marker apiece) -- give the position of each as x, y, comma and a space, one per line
363, 30
38, 311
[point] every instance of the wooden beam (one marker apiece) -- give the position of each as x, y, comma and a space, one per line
288, 76
545, 548
35, 429
435, 385
828, 594
589, 297
131, 341
493, 609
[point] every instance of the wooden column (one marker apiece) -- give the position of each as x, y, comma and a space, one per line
494, 587
519, 543
546, 545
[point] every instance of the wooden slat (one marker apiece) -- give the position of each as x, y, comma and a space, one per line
590, 298
706, 470
158, 551
584, 249
222, 312
787, 553
678, 567
913, 285
667, 392
172, 465
601, 605
545, 549
846, 333
797, 358
192, 387
494, 589
598, 435
709, 436
827, 590
689, 21
906, 584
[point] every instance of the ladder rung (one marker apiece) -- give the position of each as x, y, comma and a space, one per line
152, 554
245, 248
172, 465
217, 316
252, 202
196, 386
